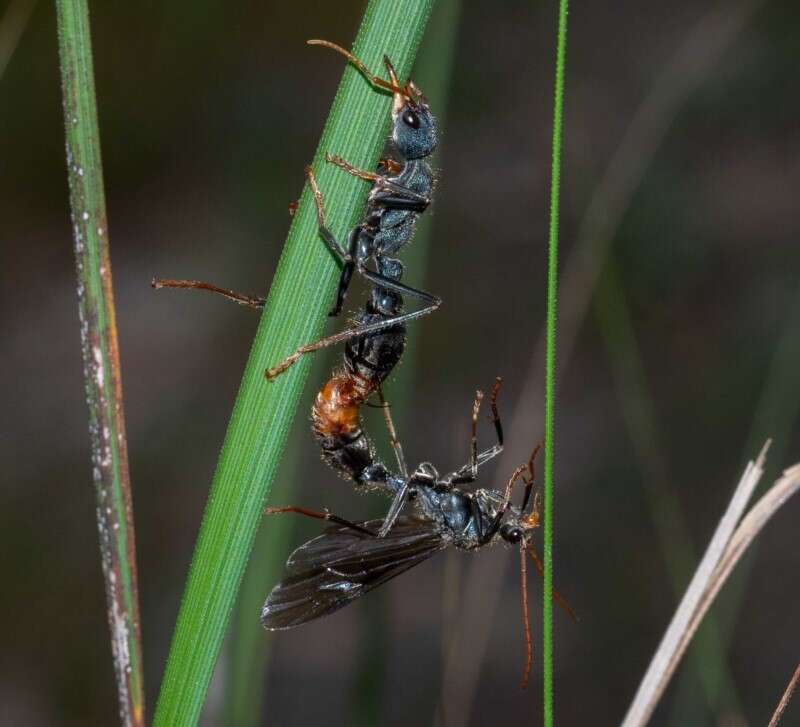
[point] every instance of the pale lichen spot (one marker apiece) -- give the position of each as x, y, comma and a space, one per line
98, 360
85, 215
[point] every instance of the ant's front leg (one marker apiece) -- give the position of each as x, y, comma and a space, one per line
386, 193
338, 161
332, 243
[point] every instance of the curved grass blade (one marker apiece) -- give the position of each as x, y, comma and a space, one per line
295, 313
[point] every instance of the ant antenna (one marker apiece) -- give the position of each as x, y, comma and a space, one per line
523, 582
557, 597
377, 81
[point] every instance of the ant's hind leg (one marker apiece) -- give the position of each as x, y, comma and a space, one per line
356, 331
393, 438
251, 301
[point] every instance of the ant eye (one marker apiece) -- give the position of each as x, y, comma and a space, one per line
410, 119
511, 533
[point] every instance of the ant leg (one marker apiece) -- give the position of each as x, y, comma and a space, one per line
402, 494
398, 202
324, 515
348, 269
400, 197
390, 165
469, 472
349, 334
394, 509
391, 284
529, 485
332, 243
345, 257
395, 441
492, 452
523, 585
251, 301
338, 161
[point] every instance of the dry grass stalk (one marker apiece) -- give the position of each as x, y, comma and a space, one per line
724, 552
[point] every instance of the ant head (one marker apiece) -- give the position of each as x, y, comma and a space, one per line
519, 527
414, 131
511, 532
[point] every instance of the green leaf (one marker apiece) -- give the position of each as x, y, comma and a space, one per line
299, 298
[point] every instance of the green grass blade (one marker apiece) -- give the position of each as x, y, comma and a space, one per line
550, 366
295, 314
250, 648
101, 355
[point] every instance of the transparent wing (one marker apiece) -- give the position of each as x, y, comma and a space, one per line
330, 571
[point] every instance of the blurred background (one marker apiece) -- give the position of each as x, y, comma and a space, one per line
678, 350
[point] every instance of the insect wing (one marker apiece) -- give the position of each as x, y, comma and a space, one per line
330, 571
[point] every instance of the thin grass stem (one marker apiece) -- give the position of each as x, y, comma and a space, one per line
100, 348
696, 600
784, 701
550, 366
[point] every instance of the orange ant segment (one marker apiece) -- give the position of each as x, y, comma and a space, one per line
336, 408
293, 208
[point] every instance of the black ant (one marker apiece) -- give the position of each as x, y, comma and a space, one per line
375, 344
400, 192
336, 568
